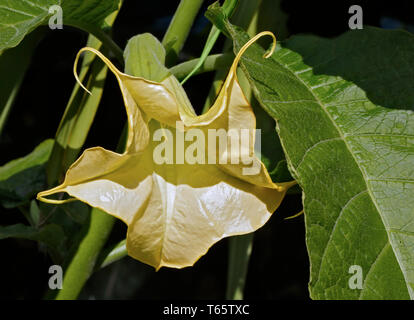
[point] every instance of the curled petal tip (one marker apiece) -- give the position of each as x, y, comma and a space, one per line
75, 73
251, 41
272, 49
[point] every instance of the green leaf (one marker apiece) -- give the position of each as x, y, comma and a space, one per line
88, 11
22, 178
145, 57
52, 235
18, 18
350, 152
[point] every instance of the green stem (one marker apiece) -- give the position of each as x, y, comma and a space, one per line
83, 263
228, 7
100, 34
179, 28
240, 248
213, 62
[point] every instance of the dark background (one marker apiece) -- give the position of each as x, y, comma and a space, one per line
279, 267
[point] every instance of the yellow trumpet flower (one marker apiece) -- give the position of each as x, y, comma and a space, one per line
176, 210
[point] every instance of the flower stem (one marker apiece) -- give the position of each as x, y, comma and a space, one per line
83, 263
213, 62
240, 248
179, 28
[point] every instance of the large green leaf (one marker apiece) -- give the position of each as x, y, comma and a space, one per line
350, 152
18, 18
22, 178
88, 11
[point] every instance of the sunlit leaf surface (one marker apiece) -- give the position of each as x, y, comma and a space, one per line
349, 149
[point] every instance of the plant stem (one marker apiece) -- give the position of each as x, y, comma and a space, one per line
213, 62
83, 263
240, 248
228, 7
179, 28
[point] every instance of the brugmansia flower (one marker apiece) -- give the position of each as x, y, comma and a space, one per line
175, 210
